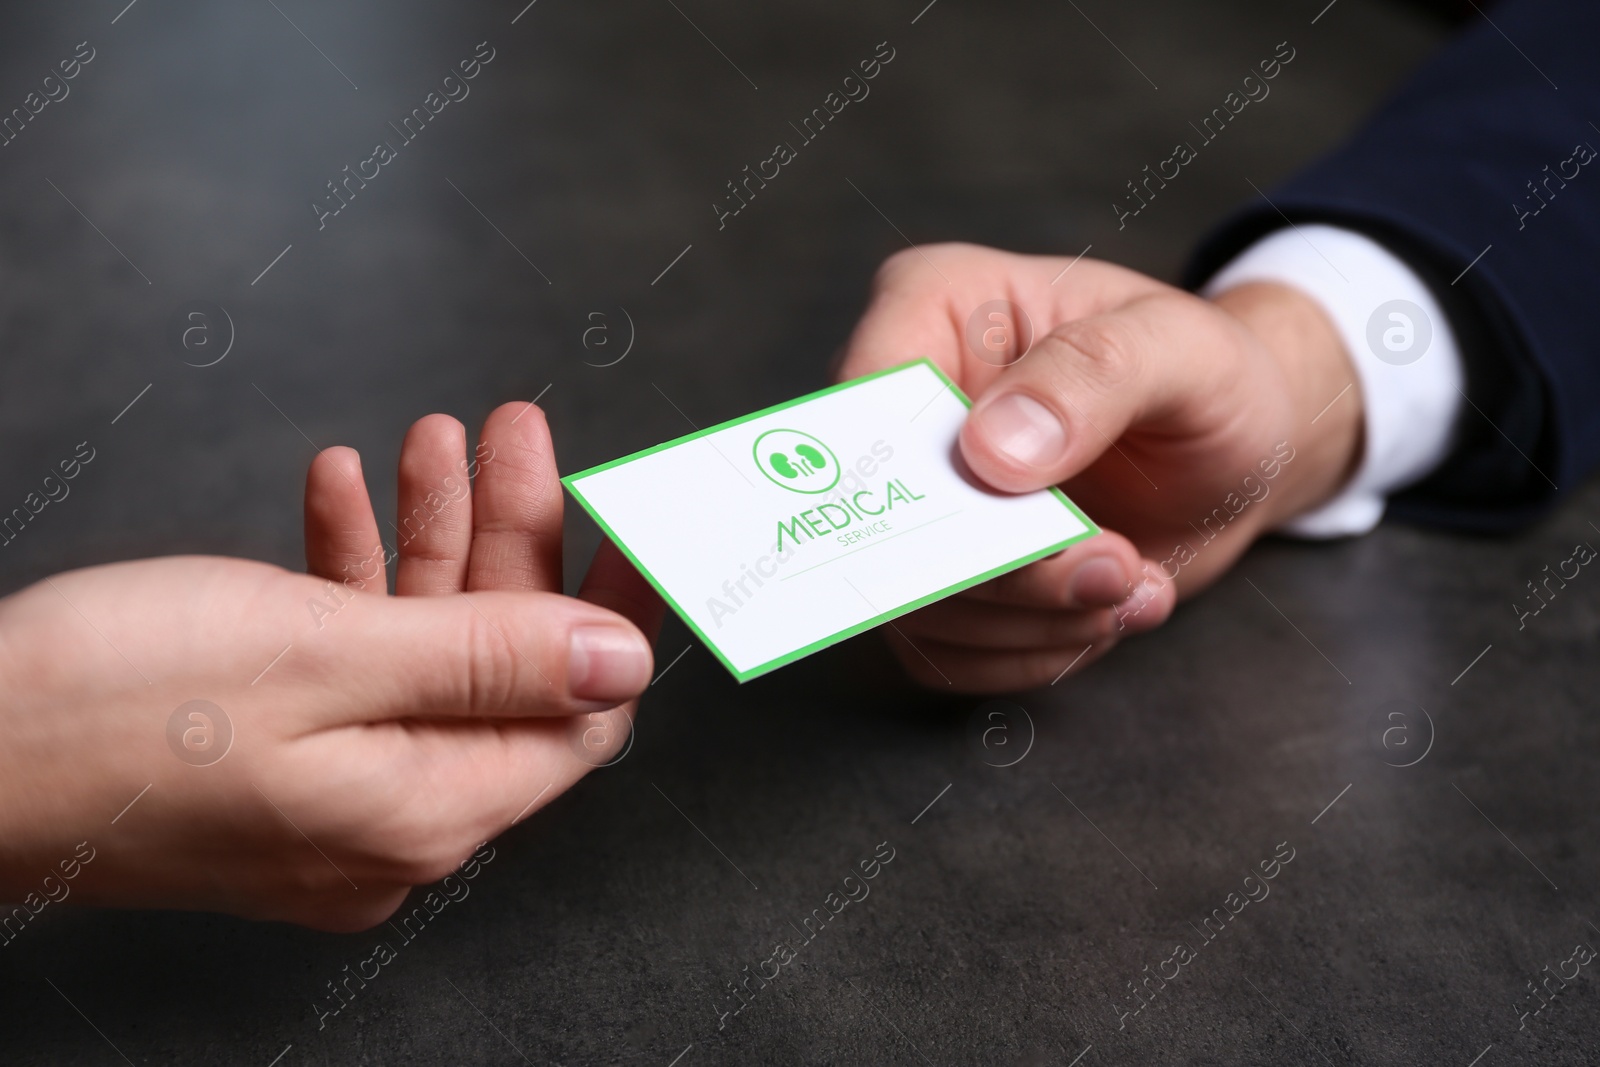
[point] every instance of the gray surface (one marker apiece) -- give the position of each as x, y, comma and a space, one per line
1402, 932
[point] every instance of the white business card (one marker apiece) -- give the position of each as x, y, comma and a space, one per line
790, 529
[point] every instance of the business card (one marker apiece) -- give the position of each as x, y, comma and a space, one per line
793, 528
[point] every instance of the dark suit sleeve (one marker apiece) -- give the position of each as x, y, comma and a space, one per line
1490, 146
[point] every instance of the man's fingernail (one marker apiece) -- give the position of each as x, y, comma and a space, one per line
1023, 429
1099, 582
607, 663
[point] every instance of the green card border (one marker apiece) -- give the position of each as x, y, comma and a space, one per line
569, 482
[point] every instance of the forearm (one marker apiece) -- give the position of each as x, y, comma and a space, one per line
1479, 175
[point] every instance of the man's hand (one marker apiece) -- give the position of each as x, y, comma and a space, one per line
1184, 428
376, 739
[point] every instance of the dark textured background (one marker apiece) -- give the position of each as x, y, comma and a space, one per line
605, 928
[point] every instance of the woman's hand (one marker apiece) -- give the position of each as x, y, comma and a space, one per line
375, 740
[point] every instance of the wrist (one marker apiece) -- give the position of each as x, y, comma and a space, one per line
1321, 391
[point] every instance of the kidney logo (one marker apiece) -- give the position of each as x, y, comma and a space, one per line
796, 461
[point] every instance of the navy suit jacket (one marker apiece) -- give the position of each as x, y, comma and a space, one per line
1492, 145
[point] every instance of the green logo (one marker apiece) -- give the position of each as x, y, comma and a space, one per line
796, 461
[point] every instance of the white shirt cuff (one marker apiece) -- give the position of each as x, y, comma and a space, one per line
1407, 361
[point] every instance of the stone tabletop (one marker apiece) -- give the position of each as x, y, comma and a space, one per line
1339, 810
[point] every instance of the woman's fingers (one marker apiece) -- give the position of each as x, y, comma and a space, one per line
469, 781
342, 540
614, 583
433, 531
504, 772
598, 737
489, 655
516, 505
